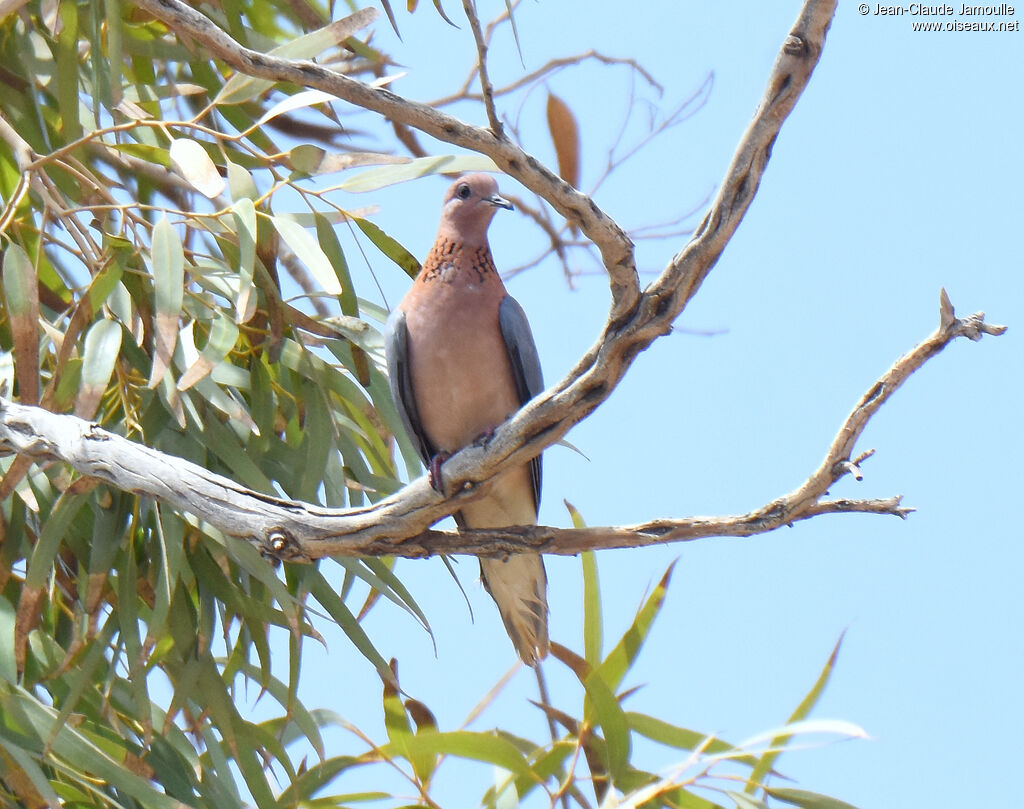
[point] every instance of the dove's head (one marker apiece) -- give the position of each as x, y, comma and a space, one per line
469, 206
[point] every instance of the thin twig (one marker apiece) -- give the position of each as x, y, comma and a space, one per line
615, 247
486, 88
546, 70
683, 112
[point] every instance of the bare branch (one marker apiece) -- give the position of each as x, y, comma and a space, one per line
832, 467
790, 74
615, 247
398, 525
486, 88
635, 320
23, 154
571, 541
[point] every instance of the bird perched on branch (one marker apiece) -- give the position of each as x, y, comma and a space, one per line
461, 360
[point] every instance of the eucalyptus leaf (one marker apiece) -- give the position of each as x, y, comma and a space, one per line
375, 179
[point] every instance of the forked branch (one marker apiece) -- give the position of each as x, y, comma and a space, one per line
293, 530
399, 525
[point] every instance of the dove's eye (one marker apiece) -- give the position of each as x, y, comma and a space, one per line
463, 191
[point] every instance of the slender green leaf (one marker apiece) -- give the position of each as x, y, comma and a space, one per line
329, 243
8, 667
593, 623
105, 540
242, 464
191, 161
81, 678
67, 85
661, 731
305, 98
21, 292
308, 160
388, 581
322, 591
389, 247
806, 727
400, 733
41, 563
296, 713
168, 268
606, 712
515, 29
114, 55
375, 179
807, 800
220, 343
317, 777
622, 657
244, 213
19, 277
102, 348
802, 711
243, 739
103, 285
241, 184
240, 88
440, 10
309, 252
72, 745
391, 16
127, 615
486, 747
745, 801
170, 559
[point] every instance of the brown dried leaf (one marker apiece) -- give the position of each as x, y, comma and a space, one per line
15, 779
16, 472
421, 715
21, 293
371, 598
138, 766
165, 338
580, 667
566, 136
26, 619
564, 719
168, 267
129, 109
362, 364
82, 485
96, 583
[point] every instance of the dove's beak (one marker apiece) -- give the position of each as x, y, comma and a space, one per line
500, 202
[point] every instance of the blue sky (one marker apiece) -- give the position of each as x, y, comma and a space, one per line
898, 173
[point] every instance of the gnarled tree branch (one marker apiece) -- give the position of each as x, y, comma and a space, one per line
397, 526
636, 319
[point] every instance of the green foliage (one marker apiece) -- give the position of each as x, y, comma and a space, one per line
159, 221
151, 225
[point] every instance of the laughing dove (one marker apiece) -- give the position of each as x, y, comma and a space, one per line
461, 360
